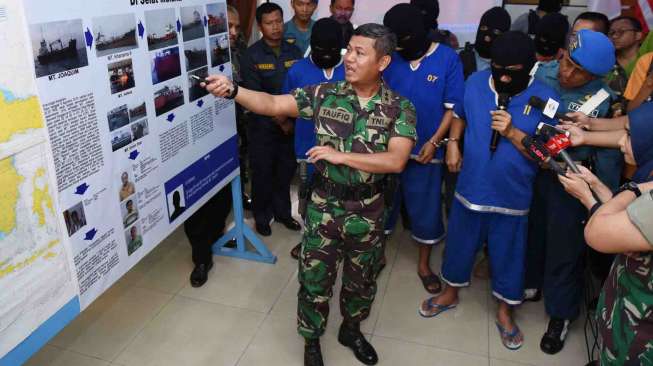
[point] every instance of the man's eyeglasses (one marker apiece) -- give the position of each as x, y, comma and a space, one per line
617, 33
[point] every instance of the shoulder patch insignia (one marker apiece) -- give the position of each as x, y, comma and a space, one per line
265, 66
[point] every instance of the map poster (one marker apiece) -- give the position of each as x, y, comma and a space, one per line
107, 141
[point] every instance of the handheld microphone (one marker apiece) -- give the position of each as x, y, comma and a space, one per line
502, 105
540, 154
538, 103
556, 146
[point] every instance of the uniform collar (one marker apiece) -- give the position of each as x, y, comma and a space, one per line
383, 95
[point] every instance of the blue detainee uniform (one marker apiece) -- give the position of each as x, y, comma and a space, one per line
435, 86
494, 191
304, 72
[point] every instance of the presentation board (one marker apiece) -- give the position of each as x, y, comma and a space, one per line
107, 144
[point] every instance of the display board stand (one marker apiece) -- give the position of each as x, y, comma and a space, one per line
241, 232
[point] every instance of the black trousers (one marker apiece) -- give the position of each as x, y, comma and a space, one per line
556, 247
272, 161
207, 225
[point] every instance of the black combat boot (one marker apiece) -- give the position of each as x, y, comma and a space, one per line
313, 353
351, 336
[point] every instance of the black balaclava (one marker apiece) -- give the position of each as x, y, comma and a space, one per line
430, 11
512, 48
550, 6
551, 34
497, 20
406, 22
326, 43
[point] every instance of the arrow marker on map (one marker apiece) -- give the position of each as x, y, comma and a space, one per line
89, 38
171, 117
206, 21
200, 103
178, 26
81, 189
133, 155
141, 29
90, 234
221, 68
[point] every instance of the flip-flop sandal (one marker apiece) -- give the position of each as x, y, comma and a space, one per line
508, 338
439, 309
428, 281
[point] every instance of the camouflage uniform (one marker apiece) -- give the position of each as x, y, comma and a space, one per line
625, 312
338, 229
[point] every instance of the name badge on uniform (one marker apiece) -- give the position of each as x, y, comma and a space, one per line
265, 66
379, 121
551, 108
336, 114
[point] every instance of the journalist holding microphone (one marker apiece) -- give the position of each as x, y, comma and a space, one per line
623, 225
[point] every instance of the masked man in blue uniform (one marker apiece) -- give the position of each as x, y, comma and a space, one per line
323, 65
430, 75
494, 189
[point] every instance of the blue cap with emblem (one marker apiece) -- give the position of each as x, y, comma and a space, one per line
593, 51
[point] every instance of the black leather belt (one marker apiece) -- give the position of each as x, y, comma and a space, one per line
344, 192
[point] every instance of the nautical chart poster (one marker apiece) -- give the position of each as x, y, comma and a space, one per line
133, 145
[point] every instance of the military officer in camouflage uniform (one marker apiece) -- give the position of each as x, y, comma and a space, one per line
364, 132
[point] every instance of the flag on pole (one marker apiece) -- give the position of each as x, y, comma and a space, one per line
644, 12
611, 8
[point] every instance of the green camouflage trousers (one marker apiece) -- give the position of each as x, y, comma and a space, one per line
349, 232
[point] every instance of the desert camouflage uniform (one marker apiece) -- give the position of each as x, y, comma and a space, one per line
345, 230
625, 312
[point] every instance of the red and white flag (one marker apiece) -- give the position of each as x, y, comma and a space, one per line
644, 12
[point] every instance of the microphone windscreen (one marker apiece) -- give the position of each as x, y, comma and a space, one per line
537, 102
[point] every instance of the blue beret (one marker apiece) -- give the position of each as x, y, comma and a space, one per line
593, 51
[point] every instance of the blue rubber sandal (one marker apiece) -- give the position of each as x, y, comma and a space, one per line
508, 338
438, 308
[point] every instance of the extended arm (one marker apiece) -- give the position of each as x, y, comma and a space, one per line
258, 102
610, 229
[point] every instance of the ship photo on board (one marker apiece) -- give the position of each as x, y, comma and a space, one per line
195, 53
219, 50
114, 33
192, 23
121, 76
217, 15
58, 47
195, 91
161, 31
168, 98
165, 65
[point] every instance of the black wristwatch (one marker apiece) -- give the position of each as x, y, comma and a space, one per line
630, 186
234, 91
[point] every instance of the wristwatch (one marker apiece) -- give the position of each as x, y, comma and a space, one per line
630, 186
234, 91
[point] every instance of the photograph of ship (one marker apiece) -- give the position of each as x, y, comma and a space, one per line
219, 50
168, 98
121, 138
114, 33
121, 76
192, 23
217, 14
195, 53
137, 112
195, 91
161, 31
58, 46
139, 129
165, 65
118, 117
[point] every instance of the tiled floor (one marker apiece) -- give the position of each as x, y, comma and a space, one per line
245, 315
